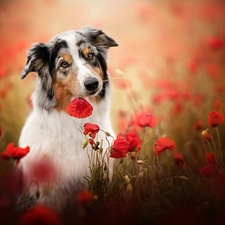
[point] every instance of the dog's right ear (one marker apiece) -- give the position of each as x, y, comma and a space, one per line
38, 57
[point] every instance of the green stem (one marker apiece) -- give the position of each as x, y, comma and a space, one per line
219, 143
210, 148
214, 145
167, 159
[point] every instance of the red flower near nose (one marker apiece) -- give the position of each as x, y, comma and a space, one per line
215, 118
79, 108
120, 147
91, 129
163, 144
134, 141
14, 152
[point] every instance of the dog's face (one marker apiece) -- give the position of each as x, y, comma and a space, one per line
72, 64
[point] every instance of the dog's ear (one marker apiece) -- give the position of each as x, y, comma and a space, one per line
38, 57
38, 61
99, 39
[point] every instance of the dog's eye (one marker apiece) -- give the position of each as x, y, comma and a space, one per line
64, 64
90, 56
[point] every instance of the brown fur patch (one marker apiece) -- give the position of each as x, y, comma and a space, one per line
65, 89
85, 51
67, 57
97, 70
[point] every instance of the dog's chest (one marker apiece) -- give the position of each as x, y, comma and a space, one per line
59, 138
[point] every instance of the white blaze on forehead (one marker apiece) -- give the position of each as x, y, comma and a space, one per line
72, 38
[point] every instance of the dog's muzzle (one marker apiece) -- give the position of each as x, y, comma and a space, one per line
92, 85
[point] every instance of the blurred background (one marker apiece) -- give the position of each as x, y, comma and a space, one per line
170, 60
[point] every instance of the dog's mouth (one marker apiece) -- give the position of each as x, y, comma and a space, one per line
93, 92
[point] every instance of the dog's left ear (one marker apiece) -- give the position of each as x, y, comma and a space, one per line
99, 39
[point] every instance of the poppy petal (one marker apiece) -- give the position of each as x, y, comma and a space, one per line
79, 108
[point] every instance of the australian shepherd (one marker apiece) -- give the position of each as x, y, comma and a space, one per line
72, 64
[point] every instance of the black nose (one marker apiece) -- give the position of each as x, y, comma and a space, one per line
91, 84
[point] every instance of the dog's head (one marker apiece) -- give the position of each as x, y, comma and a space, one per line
70, 65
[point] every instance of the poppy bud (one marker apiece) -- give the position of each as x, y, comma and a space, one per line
141, 162
129, 187
183, 178
107, 134
85, 143
127, 179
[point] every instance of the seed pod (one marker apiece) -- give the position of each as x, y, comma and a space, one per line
183, 178
85, 143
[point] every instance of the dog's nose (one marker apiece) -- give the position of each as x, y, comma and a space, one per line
91, 84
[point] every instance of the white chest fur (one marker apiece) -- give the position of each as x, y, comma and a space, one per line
58, 137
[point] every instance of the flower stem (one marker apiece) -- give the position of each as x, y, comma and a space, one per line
219, 145
127, 87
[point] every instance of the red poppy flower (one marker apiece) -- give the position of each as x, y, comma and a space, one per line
217, 104
94, 145
199, 125
79, 108
134, 141
144, 119
122, 124
179, 159
120, 147
43, 170
40, 214
193, 66
14, 152
215, 118
212, 70
206, 171
214, 42
210, 158
147, 120
91, 129
84, 197
163, 144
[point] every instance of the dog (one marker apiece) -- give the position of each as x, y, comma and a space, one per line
72, 64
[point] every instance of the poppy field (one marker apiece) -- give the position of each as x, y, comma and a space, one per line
167, 104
